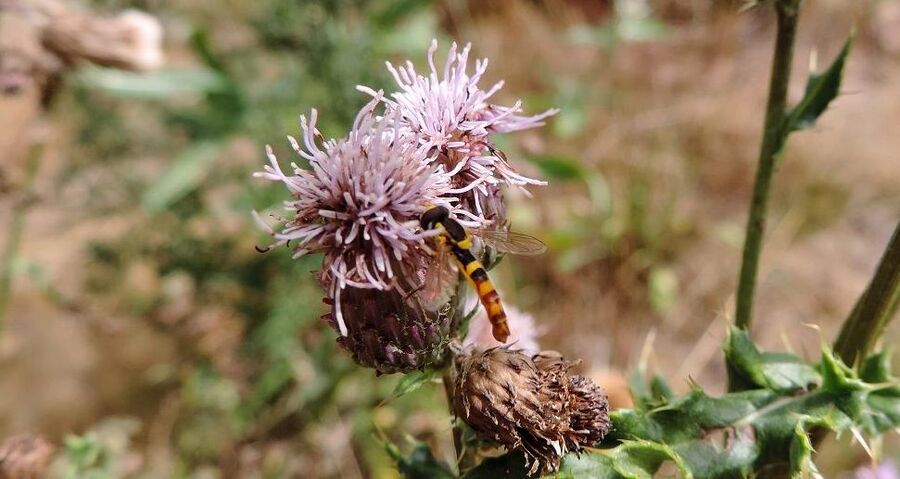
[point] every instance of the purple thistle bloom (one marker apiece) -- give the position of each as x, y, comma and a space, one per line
359, 204
449, 119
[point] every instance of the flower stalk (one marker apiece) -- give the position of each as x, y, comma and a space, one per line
775, 132
875, 307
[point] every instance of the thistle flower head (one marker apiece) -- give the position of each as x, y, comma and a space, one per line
529, 404
359, 204
449, 118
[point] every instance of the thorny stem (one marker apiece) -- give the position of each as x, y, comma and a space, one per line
16, 224
875, 307
774, 136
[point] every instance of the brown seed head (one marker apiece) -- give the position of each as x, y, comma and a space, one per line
529, 404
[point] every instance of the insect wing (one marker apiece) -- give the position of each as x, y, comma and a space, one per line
511, 242
437, 287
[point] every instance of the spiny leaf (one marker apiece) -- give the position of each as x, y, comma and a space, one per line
876, 368
632, 460
775, 371
802, 449
821, 89
836, 376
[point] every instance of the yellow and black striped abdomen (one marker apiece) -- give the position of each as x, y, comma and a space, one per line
476, 273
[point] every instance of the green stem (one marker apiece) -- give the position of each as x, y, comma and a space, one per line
16, 224
457, 431
774, 135
874, 309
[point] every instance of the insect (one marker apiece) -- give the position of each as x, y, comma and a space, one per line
457, 240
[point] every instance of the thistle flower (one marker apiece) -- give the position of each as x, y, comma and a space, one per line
449, 118
530, 404
359, 204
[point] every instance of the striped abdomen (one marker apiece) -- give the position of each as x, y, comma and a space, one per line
485, 290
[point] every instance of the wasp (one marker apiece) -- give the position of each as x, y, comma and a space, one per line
457, 240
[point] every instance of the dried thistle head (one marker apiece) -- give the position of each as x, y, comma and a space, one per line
529, 404
587, 404
390, 332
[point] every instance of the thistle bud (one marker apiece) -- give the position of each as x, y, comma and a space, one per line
389, 333
529, 404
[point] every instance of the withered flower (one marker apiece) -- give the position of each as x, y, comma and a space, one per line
530, 404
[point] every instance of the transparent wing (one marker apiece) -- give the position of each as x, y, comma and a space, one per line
440, 279
510, 241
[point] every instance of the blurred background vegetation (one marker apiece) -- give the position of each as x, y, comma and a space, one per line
147, 338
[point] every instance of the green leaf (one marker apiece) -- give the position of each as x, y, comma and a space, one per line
876, 368
776, 371
821, 89
420, 464
631, 459
801, 453
836, 376
184, 175
156, 85
648, 396
412, 381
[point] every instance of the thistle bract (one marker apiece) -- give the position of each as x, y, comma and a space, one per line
389, 332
